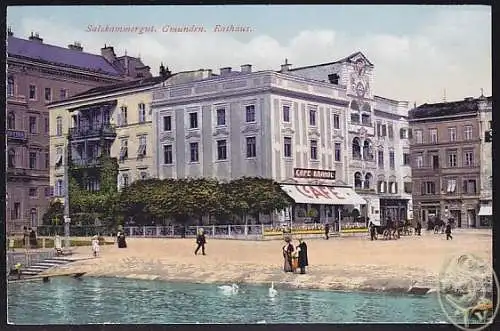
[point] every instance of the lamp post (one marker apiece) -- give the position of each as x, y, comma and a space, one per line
67, 219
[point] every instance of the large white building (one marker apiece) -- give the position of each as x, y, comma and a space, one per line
313, 129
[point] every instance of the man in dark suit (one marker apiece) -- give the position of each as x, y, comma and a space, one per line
303, 261
201, 241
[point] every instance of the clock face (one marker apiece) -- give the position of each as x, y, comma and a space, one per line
360, 90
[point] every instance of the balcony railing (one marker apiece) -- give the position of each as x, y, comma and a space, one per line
16, 135
106, 130
17, 99
87, 162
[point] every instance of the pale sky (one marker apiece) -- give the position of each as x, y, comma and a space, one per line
418, 51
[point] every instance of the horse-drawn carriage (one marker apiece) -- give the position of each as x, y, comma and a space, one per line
387, 229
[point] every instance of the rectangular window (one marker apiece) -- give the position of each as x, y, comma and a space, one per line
403, 133
406, 159
433, 135
312, 117
123, 150
430, 188
221, 150
59, 191
435, 161
142, 112
366, 120
32, 92
393, 187
419, 139
221, 117
250, 113
354, 118
142, 146
33, 192
407, 187
32, 160
193, 150
452, 159
338, 152
33, 126
451, 185
286, 114
47, 192
193, 120
314, 149
336, 121
167, 123
63, 94
251, 146
378, 129
381, 159
452, 133
167, 154
287, 147
10, 86
468, 159
384, 130
123, 116
469, 186
48, 94
125, 180
47, 125
382, 186
47, 161
392, 160
16, 212
468, 132
390, 129
419, 160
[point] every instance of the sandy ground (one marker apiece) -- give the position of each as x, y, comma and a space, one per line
351, 263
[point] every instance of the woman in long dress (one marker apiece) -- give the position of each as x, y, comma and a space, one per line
287, 255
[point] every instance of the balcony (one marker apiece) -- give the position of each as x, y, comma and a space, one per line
19, 99
83, 132
87, 162
16, 135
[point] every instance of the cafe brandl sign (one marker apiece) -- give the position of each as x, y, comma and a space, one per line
313, 173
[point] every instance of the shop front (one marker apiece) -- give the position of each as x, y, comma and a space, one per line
396, 209
485, 214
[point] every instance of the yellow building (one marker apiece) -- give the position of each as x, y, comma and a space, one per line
110, 121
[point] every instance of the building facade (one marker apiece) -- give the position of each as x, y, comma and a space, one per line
293, 126
447, 150
37, 74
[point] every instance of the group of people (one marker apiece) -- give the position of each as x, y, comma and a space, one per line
29, 238
295, 257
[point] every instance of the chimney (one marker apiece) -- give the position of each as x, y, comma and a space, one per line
285, 67
108, 53
76, 46
9, 31
246, 68
36, 37
225, 71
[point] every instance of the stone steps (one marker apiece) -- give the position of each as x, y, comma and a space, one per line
44, 265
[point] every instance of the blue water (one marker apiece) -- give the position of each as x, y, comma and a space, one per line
114, 300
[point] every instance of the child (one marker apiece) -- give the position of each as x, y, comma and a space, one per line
95, 245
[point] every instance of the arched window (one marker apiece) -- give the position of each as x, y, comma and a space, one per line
367, 150
11, 158
368, 181
357, 180
354, 105
59, 126
366, 107
356, 149
11, 121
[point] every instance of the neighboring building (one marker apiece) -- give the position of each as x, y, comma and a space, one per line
292, 126
37, 74
110, 121
486, 169
447, 152
377, 146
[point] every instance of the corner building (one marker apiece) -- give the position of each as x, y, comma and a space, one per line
295, 126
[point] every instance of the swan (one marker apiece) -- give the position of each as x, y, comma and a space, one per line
272, 290
229, 289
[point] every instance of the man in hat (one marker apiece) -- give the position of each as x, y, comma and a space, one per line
303, 262
201, 241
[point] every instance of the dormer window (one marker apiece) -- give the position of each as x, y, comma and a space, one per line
333, 79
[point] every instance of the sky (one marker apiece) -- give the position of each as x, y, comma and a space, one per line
420, 53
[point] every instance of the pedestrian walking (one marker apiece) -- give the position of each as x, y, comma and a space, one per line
448, 231
327, 230
418, 228
373, 235
95, 246
201, 241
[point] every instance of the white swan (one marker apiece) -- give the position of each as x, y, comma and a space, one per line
272, 290
229, 289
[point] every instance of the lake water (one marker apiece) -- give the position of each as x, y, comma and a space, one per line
114, 300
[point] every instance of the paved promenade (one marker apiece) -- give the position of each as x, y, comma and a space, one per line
353, 263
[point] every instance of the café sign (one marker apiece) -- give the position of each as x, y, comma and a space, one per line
313, 173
